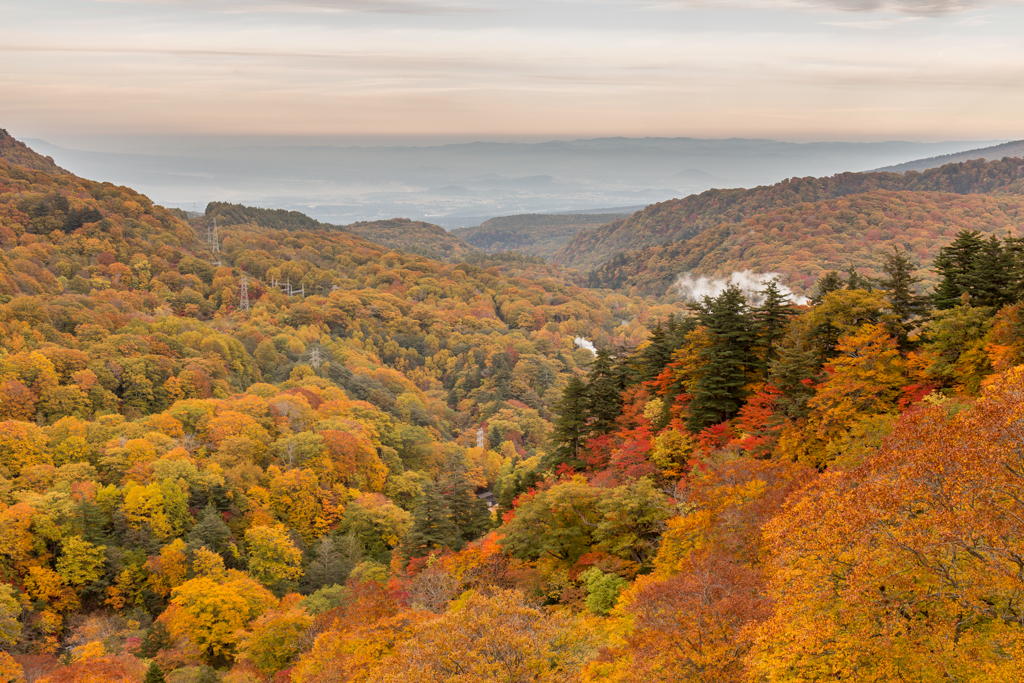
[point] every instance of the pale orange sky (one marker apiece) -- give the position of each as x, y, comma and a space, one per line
795, 70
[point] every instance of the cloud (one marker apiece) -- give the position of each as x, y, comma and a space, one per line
925, 8
751, 284
920, 7
298, 6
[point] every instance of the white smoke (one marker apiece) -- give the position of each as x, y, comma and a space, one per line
585, 343
751, 284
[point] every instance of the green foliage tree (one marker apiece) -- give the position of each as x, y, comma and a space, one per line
604, 394
469, 514
211, 532
904, 303
432, 528
154, 674
728, 362
771, 318
602, 590
956, 265
571, 428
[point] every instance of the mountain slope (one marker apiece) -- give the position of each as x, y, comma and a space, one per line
58, 231
682, 219
415, 237
996, 152
18, 153
802, 241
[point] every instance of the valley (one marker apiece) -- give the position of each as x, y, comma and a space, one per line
248, 445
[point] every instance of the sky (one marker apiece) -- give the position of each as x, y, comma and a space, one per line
389, 70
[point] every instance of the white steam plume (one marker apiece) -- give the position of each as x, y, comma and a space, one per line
585, 343
751, 284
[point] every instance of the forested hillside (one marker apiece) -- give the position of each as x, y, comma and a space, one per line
680, 220
17, 152
535, 234
805, 239
414, 237
265, 462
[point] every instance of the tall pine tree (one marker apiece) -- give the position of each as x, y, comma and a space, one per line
989, 279
728, 362
604, 393
956, 265
154, 674
826, 284
899, 284
570, 426
771, 318
432, 528
470, 514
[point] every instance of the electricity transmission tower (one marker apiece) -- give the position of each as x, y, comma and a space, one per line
243, 295
214, 236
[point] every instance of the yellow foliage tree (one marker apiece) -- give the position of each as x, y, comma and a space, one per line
496, 638
80, 562
273, 558
22, 444
212, 612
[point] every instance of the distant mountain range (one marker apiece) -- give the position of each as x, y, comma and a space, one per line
462, 185
798, 227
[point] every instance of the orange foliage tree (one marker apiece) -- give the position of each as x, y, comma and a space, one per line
909, 566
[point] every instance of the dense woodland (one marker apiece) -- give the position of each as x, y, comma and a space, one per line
412, 237
534, 234
801, 227
204, 483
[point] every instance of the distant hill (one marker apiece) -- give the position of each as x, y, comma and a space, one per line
18, 153
678, 220
416, 237
803, 240
1009, 149
537, 234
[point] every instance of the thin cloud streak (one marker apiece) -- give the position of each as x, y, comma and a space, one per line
421, 7
923, 8
554, 68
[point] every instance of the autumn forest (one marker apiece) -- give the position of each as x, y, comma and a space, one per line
249, 447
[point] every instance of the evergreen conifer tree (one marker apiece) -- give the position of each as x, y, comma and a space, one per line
654, 356
989, 278
335, 558
1014, 247
604, 393
956, 265
719, 391
570, 425
827, 283
212, 533
855, 280
795, 371
772, 317
433, 528
154, 674
157, 638
899, 282
469, 513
